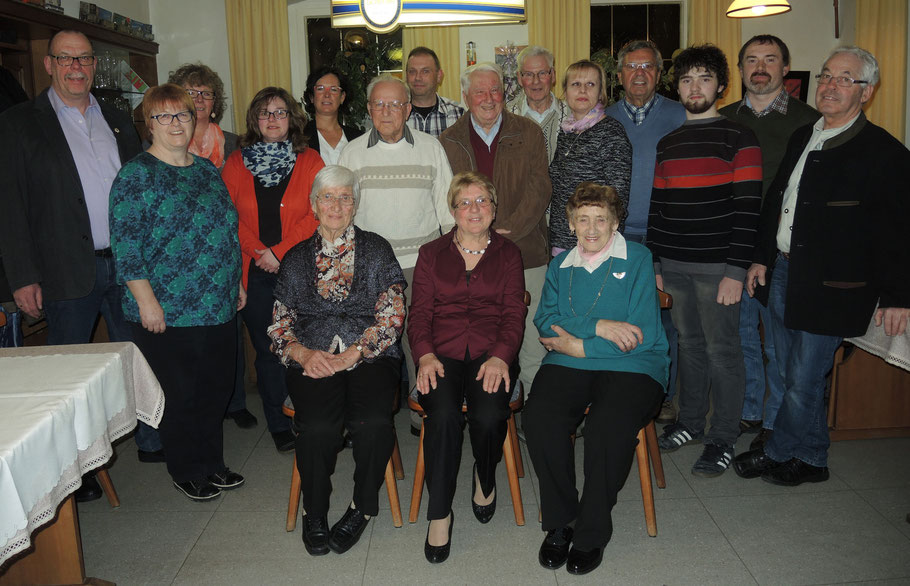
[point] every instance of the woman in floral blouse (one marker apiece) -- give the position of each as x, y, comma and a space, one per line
339, 309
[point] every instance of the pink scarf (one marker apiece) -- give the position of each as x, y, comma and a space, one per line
212, 145
570, 124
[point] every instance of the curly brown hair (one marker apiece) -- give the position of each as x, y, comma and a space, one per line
197, 74
589, 193
296, 118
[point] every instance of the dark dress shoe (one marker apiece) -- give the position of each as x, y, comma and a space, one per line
415, 431
152, 457
555, 548
316, 534
753, 464
348, 440
347, 531
794, 472
198, 490
90, 489
226, 480
483, 512
243, 418
284, 441
763, 437
436, 554
581, 562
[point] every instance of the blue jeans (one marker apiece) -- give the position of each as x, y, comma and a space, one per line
801, 427
710, 357
270, 373
757, 377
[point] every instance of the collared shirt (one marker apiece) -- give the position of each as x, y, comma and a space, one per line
487, 137
617, 249
638, 114
97, 159
791, 194
375, 138
445, 114
778, 104
329, 153
538, 117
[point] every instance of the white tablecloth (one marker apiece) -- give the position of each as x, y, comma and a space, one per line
894, 349
60, 409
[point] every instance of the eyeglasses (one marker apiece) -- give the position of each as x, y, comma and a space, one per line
67, 60
206, 94
394, 106
166, 119
333, 89
280, 114
483, 201
538, 75
646, 67
839, 80
329, 199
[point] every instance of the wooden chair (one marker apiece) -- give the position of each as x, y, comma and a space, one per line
393, 470
511, 453
107, 485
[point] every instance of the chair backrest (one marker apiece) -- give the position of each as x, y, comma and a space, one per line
664, 300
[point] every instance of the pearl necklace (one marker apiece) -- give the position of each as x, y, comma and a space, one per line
468, 250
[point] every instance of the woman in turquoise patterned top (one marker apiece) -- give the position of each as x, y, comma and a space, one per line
174, 239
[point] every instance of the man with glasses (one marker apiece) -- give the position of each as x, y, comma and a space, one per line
833, 228
430, 112
404, 179
536, 99
772, 115
647, 117
59, 154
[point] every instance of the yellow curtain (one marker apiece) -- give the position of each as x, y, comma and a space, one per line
259, 49
881, 29
563, 27
708, 23
444, 42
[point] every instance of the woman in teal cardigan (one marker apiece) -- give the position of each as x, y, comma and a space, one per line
607, 352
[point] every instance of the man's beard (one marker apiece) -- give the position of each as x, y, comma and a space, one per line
700, 108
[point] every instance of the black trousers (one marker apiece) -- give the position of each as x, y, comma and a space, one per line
359, 400
195, 367
488, 415
621, 403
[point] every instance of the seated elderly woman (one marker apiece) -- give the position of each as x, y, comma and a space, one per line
174, 240
466, 325
600, 322
339, 309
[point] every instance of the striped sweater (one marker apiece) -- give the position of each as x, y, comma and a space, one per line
707, 196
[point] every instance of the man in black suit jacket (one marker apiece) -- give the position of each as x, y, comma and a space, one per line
59, 154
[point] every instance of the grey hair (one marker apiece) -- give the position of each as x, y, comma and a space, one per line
535, 51
482, 66
334, 176
870, 65
636, 46
387, 77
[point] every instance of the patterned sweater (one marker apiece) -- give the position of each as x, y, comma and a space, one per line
706, 198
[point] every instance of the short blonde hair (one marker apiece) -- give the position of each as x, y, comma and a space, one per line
465, 179
587, 64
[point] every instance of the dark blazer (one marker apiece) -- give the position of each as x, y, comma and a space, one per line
447, 316
45, 234
350, 133
848, 248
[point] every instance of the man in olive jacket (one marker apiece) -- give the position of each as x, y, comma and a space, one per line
511, 150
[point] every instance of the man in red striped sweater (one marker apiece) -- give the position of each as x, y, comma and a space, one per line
701, 230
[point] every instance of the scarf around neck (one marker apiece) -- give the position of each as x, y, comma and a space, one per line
212, 146
570, 124
269, 162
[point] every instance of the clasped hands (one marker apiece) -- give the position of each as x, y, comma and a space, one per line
492, 372
322, 364
625, 335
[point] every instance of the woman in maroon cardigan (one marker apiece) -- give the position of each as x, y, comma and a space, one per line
466, 324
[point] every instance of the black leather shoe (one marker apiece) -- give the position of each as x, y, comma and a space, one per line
348, 440
436, 554
758, 443
151, 457
316, 535
347, 531
753, 464
198, 490
415, 431
90, 489
483, 512
794, 472
284, 441
555, 548
226, 480
243, 418
581, 562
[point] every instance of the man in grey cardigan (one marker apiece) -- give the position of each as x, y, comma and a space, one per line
536, 99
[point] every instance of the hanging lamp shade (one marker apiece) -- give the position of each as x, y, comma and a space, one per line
756, 8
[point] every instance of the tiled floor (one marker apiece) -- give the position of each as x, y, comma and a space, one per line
851, 529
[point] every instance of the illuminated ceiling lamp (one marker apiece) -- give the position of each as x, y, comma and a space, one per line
755, 8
